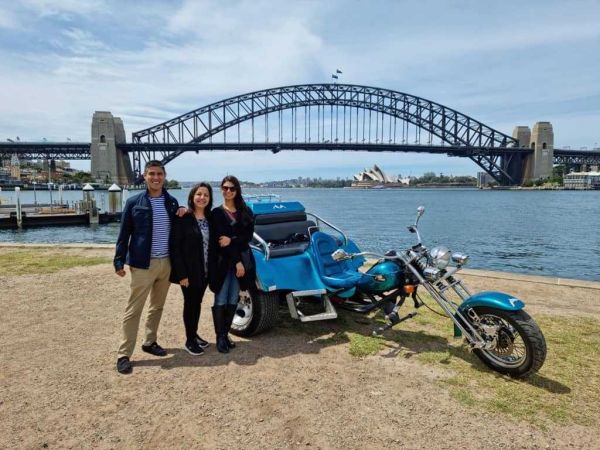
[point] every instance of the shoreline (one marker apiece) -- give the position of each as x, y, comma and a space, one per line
480, 273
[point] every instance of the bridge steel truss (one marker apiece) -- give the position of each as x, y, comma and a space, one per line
491, 149
46, 150
577, 157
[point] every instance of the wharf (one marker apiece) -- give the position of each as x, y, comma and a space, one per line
30, 220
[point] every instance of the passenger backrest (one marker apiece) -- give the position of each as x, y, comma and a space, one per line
324, 246
293, 216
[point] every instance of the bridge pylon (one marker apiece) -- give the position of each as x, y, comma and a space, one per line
538, 164
109, 164
542, 144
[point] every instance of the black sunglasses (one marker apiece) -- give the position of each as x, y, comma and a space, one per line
229, 188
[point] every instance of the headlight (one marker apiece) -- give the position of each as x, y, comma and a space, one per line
460, 258
431, 273
440, 257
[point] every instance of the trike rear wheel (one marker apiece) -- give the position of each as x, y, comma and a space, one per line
257, 312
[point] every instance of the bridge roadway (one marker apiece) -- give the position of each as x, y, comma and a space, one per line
81, 150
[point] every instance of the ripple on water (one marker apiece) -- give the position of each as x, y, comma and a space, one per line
550, 233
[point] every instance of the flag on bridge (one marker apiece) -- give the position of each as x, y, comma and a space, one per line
334, 76
338, 71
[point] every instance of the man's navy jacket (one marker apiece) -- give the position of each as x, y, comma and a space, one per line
134, 243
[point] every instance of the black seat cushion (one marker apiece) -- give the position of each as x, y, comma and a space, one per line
286, 238
277, 233
293, 216
294, 248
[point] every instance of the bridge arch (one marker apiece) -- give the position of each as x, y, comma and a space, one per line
448, 125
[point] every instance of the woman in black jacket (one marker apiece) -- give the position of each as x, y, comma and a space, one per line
192, 248
233, 227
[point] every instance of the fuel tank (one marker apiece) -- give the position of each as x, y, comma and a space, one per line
383, 276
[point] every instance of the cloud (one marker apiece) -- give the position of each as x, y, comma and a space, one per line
79, 41
45, 8
8, 19
62, 60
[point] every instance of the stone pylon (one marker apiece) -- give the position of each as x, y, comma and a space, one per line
109, 164
541, 141
542, 144
523, 135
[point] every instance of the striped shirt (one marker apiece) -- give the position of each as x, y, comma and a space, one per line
161, 227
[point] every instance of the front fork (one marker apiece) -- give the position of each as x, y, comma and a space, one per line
438, 293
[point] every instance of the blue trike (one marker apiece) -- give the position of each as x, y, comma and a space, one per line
311, 266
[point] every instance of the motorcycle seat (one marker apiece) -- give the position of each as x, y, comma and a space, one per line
293, 248
285, 238
334, 274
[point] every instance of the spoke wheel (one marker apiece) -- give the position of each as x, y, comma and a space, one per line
519, 347
510, 349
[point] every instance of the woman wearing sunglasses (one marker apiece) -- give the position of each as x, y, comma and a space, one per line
233, 225
192, 248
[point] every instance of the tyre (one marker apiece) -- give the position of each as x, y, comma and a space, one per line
257, 312
520, 347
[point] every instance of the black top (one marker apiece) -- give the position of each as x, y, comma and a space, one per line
187, 251
240, 231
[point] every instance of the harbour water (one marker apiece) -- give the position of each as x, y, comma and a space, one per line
553, 233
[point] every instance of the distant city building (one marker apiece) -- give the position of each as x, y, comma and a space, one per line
484, 179
582, 180
376, 177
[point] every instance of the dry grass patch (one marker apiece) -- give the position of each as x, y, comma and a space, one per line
33, 261
565, 391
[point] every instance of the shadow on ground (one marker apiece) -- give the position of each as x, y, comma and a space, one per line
291, 337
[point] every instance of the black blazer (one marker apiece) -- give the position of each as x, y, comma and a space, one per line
187, 250
227, 257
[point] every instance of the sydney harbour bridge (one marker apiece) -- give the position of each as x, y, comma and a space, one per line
314, 117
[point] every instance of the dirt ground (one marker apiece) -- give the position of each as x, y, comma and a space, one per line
59, 387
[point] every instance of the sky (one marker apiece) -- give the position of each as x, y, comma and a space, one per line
503, 63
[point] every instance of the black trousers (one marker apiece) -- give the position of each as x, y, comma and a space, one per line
192, 302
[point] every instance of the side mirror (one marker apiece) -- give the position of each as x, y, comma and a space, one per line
340, 255
420, 212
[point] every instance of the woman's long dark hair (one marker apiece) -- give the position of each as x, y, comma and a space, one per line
190, 201
238, 200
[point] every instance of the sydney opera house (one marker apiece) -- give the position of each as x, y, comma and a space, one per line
377, 178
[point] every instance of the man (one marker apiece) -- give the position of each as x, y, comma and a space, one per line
143, 244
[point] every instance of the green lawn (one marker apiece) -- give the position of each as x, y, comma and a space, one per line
32, 261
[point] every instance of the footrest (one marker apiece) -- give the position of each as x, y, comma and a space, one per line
311, 293
329, 310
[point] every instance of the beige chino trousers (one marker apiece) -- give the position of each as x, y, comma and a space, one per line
153, 281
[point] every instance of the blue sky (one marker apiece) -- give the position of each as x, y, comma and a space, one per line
503, 63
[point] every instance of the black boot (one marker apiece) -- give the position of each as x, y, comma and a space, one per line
219, 319
229, 315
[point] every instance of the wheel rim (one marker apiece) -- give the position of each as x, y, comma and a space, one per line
510, 350
244, 311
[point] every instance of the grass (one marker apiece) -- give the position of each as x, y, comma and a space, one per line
38, 261
565, 391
